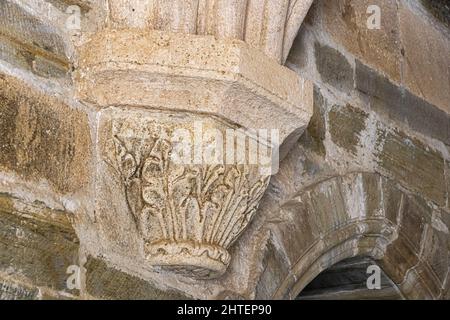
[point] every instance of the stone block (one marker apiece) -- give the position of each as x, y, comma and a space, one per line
106, 282
398, 259
314, 134
37, 244
194, 73
404, 253
416, 214
16, 23
333, 67
41, 138
275, 271
299, 228
13, 290
327, 204
23, 58
374, 196
408, 161
426, 50
436, 250
346, 22
401, 105
447, 179
392, 200
346, 124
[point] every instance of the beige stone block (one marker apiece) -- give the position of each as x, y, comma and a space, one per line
426, 69
276, 269
328, 203
29, 30
346, 21
27, 59
345, 125
42, 138
37, 245
447, 179
107, 282
410, 162
299, 228
392, 201
416, 213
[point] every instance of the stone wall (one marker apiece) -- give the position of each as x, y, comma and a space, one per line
369, 176
370, 123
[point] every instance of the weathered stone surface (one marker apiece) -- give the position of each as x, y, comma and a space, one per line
346, 124
194, 73
436, 249
346, 21
314, 134
446, 293
427, 57
42, 138
346, 280
374, 201
401, 105
187, 212
328, 203
16, 23
398, 259
416, 213
412, 163
403, 254
299, 226
85, 5
11, 290
184, 214
333, 67
447, 179
36, 244
392, 201
270, 26
417, 285
105, 282
21, 57
275, 271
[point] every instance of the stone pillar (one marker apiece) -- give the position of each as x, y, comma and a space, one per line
166, 91
268, 25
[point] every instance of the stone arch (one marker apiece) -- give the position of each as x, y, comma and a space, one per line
363, 214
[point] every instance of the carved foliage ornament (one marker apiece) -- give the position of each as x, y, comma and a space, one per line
188, 215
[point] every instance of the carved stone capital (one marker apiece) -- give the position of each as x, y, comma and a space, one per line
187, 214
162, 97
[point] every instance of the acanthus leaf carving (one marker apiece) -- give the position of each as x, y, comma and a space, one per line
188, 215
